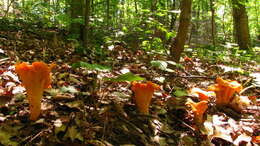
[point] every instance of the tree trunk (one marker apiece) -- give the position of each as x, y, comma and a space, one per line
257, 19
23, 3
223, 24
241, 29
9, 4
92, 7
76, 9
136, 10
213, 23
86, 29
178, 43
108, 16
154, 5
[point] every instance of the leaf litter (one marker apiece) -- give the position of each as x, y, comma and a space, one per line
91, 103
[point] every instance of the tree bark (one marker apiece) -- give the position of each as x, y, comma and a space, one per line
241, 29
136, 10
257, 20
86, 29
154, 5
76, 11
178, 43
213, 30
223, 24
108, 15
9, 4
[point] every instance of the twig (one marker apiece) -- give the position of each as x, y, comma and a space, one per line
38, 134
105, 127
193, 76
185, 124
35, 136
249, 87
131, 124
8, 7
3, 60
247, 81
147, 116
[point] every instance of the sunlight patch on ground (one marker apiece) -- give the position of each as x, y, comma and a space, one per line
229, 68
256, 75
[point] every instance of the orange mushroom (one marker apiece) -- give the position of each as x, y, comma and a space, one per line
256, 139
203, 95
187, 59
225, 90
143, 95
198, 109
35, 78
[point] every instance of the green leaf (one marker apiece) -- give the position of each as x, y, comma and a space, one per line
169, 35
160, 14
6, 133
124, 29
69, 89
97, 67
162, 65
78, 20
179, 93
175, 64
73, 133
159, 64
125, 77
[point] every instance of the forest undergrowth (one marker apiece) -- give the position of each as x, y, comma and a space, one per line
90, 101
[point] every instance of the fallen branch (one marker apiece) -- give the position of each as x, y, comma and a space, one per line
185, 124
3, 60
249, 87
192, 76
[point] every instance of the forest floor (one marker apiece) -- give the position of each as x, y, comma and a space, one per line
82, 108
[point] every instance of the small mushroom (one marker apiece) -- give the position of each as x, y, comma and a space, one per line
187, 59
35, 78
198, 108
143, 95
203, 95
225, 90
256, 139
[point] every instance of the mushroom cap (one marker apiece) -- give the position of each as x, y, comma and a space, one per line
198, 108
256, 139
38, 72
225, 90
203, 95
144, 86
143, 95
228, 83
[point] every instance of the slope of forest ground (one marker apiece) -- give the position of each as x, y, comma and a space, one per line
82, 108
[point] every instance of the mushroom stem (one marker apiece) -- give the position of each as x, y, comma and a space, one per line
35, 101
35, 78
